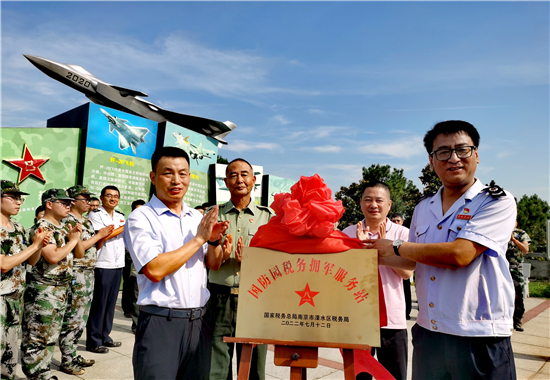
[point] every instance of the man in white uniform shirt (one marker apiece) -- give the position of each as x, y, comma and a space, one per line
376, 204
457, 243
167, 240
107, 273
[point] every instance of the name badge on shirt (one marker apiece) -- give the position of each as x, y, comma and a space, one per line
461, 216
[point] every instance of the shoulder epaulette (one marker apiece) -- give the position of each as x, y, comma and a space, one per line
120, 213
95, 210
265, 208
494, 191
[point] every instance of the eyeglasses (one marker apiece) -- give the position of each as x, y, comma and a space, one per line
15, 198
109, 196
83, 199
446, 154
64, 203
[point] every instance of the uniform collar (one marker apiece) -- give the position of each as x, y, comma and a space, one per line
230, 206
160, 208
435, 201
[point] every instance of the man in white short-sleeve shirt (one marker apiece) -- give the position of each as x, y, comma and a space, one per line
167, 241
375, 205
457, 243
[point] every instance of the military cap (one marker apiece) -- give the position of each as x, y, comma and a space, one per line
55, 194
78, 190
9, 187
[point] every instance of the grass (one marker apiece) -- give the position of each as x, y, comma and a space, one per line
539, 288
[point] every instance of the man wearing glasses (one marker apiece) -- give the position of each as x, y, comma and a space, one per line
82, 287
48, 284
108, 272
457, 244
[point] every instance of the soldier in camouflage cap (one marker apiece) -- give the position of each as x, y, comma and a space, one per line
82, 287
14, 256
48, 285
518, 246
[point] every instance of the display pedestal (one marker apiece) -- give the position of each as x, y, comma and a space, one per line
297, 355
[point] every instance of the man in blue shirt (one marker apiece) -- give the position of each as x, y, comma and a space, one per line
167, 241
457, 244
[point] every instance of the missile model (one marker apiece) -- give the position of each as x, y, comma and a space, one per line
127, 100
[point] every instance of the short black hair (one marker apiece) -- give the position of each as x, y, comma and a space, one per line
397, 215
168, 151
109, 187
94, 199
137, 202
235, 160
449, 127
379, 184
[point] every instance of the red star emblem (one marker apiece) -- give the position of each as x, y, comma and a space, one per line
28, 165
307, 295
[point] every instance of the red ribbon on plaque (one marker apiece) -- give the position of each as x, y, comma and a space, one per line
304, 223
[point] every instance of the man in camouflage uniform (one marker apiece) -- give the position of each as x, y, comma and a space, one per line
518, 246
14, 256
81, 287
48, 285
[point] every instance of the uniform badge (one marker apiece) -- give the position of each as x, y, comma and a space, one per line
466, 210
462, 216
251, 220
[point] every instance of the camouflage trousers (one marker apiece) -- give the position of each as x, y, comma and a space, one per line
45, 307
79, 301
11, 311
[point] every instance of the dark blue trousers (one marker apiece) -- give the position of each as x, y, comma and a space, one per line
102, 311
438, 356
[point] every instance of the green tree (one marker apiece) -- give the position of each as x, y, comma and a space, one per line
430, 181
222, 160
404, 193
533, 213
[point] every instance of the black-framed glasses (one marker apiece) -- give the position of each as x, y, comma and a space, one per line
83, 199
461, 152
64, 203
15, 198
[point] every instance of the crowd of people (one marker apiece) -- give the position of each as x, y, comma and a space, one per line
181, 270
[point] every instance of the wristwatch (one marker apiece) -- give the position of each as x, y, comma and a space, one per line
396, 244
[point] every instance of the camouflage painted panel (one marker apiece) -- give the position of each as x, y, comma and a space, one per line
45, 272
90, 256
13, 242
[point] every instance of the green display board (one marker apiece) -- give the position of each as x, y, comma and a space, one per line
58, 145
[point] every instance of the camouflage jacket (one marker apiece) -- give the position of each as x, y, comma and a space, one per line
13, 242
61, 272
515, 256
90, 256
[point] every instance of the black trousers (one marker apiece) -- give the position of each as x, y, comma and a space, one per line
176, 348
408, 297
392, 353
438, 356
127, 286
102, 311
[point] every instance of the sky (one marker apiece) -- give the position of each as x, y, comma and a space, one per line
313, 87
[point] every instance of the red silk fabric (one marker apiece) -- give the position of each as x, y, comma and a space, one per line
304, 223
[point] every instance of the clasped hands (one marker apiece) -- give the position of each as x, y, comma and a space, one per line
383, 245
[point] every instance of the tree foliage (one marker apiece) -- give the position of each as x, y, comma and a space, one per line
533, 213
430, 181
404, 193
222, 160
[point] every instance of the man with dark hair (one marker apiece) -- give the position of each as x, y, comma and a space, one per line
168, 243
457, 243
94, 203
375, 205
108, 272
397, 219
245, 218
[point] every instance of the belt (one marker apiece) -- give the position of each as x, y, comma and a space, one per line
223, 289
190, 314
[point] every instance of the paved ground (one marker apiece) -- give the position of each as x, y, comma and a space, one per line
531, 351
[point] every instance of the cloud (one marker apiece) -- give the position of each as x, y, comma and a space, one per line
243, 146
280, 119
400, 149
324, 149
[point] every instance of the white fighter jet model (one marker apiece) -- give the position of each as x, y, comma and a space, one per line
195, 152
127, 100
128, 136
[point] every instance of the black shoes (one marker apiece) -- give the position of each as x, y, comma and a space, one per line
98, 349
518, 328
112, 344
